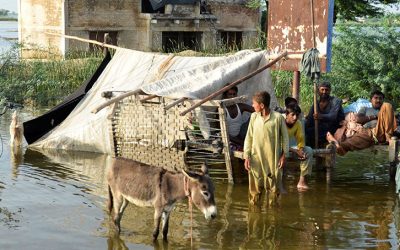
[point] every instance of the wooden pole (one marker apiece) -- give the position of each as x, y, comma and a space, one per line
296, 85
116, 99
315, 112
85, 40
225, 139
314, 80
176, 102
229, 86
148, 98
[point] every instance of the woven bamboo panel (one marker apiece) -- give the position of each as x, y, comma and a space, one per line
147, 133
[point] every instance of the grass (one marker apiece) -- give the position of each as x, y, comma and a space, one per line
39, 82
5, 18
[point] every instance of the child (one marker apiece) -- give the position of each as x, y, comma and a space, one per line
265, 148
297, 144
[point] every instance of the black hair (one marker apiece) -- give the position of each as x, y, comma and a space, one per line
293, 108
262, 97
235, 88
289, 100
324, 84
377, 92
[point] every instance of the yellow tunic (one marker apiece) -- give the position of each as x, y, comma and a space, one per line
296, 132
265, 141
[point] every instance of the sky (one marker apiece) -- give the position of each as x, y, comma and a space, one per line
8, 5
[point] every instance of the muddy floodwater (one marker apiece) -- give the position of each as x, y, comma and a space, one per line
56, 200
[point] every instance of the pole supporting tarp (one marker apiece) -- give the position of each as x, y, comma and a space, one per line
229, 86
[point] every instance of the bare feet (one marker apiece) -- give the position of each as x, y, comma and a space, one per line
302, 184
331, 138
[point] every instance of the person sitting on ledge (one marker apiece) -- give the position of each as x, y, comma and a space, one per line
379, 125
297, 144
237, 126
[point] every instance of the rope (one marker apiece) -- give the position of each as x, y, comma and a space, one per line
187, 193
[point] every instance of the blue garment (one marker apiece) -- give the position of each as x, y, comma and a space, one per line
329, 122
357, 105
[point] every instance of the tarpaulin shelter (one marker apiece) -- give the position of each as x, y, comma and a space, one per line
130, 123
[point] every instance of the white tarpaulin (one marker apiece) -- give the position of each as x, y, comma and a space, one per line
160, 74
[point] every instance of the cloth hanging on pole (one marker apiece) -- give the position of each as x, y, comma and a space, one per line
310, 65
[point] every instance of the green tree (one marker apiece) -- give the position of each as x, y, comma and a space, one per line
4, 12
366, 57
351, 9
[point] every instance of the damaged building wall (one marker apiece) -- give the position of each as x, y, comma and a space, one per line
235, 17
194, 25
36, 18
91, 18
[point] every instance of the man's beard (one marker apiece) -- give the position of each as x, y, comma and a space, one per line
324, 96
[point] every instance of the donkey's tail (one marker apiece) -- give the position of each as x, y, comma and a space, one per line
110, 202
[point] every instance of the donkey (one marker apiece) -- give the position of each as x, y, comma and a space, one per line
145, 185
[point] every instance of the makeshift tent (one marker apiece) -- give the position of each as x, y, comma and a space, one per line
157, 74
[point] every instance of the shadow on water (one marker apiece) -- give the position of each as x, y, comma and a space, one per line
56, 200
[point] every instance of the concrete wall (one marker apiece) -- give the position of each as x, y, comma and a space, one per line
36, 19
136, 30
122, 16
237, 17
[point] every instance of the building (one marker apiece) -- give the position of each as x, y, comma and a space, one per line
146, 25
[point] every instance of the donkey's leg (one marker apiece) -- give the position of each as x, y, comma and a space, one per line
165, 217
157, 219
118, 204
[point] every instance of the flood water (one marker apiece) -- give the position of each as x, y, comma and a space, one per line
8, 35
56, 200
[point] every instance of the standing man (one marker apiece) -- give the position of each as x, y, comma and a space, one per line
379, 124
265, 148
297, 144
330, 114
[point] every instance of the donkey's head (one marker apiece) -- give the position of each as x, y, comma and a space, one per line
201, 190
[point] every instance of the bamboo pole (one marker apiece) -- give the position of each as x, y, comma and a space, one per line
116, 99
85, 40
314, 80
148, 98
229, 86
295, 56
176, 102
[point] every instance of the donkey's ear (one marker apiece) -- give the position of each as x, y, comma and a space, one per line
189, 175
204, 169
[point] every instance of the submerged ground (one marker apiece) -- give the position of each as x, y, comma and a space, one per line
53, 200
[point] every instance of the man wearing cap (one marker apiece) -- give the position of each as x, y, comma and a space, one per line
329, 115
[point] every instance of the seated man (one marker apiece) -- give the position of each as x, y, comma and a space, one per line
297, 144
330, 114
379, 124
237, 127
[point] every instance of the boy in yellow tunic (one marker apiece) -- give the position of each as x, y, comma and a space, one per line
265, 148
297, 144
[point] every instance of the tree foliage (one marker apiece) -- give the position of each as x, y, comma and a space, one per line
364, 58
351, 9
4, 12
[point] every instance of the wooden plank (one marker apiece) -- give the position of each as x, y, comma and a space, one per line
291, 27
225, 140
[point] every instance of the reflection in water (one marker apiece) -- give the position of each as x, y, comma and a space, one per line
114, 242
16, 159
57, 199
